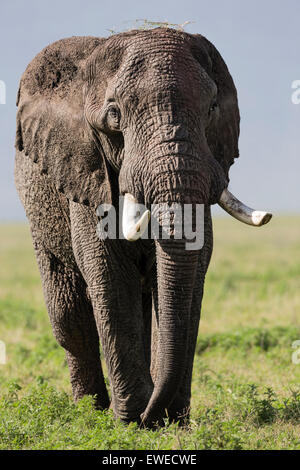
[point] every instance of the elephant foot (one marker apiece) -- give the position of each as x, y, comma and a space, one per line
151, 425
102, 403
171, 416
181, 417
126, 418
136, 420
179, 412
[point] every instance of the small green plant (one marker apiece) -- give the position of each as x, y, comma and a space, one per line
247, 338
260, 409
246, 391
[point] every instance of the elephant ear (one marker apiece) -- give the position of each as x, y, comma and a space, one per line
223, 133
51, 127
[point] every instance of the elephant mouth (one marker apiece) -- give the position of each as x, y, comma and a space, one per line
135, 224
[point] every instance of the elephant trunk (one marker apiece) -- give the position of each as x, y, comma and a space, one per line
176, 272
185, 180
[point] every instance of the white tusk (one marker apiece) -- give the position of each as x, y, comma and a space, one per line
134, 225
241, 212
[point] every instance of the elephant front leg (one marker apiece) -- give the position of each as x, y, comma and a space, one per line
115, 290
119, 317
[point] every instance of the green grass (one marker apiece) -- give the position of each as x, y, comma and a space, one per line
245, 391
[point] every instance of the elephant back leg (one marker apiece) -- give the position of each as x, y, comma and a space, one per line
73, 324
65, 292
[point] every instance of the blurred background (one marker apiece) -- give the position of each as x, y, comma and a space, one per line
259, 41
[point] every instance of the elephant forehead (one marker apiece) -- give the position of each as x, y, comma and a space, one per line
172, 45
156, 54
143, 74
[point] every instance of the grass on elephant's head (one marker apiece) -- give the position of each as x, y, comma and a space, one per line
145, 24
245, 391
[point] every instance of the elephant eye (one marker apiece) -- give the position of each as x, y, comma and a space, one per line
113, 118
213, 107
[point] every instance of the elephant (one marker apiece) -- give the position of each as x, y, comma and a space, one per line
151, 115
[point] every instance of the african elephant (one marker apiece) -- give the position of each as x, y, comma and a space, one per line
152, 115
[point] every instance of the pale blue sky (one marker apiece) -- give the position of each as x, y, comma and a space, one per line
259, 40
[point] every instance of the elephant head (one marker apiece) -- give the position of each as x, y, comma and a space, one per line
152, 115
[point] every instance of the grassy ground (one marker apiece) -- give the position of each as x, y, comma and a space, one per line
246, 389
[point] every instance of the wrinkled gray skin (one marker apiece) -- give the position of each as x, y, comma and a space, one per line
153, 113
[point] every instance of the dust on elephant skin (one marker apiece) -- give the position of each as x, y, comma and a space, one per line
152, 114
